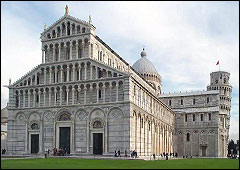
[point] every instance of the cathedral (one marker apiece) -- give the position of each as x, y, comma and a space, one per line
87, 99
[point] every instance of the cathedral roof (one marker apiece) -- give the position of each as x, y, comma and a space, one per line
143, 65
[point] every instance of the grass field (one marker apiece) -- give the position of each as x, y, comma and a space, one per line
56, 163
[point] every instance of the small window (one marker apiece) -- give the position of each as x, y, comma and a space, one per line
149, 127
181, 101
209, 116
34, 126
83, 30
64, 117
194, 117
170, 102
224, 80
142, 123
201, 117
188, 137
185, 117
99, 94
207, 99
97, 124
193, 101
134, 90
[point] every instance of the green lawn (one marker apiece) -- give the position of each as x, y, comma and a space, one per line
60, 163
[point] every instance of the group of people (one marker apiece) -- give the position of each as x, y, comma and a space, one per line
60, 152
3, 151
117, 153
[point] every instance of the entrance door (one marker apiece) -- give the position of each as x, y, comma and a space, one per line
204, 151
97, 143
34, 143
64, 141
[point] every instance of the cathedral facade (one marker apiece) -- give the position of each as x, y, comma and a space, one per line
84, 97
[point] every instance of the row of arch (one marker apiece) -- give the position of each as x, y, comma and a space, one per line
71, 115
144, 99
67, 72
101, 92
66, 29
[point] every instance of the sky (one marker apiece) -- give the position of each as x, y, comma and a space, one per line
184, 40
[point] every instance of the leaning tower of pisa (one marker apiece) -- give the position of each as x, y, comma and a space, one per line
219, 80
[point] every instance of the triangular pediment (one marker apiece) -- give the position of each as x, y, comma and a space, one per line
65, 19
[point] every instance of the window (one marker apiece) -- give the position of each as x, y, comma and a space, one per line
207, 99
99, 94
83, 30
134, 90
181, 101
77, 96
34, 126
64, 117
209, 116
97, 124
170, 102
224, 80
193, 101
185, 117
201, 117
149, 127
193, 117
188, 137
142, 123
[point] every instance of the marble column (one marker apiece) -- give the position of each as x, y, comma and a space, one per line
85, 94
44, 97
59, 52
50, 75
55, 97
39, 98
90, 71
43, 55
24, 98
61, 96
79, 70
79, 90
67, 73
96, 77
45, 76
117, 91
104, 93
110, 91
54, 52
61, 75
85, 72
73, 93
77, 55
29, 98
56, 80
34, 98
97, 88
67, 90
70, 51
73, 73
49, 96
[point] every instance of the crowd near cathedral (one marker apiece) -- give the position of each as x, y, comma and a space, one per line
86, 98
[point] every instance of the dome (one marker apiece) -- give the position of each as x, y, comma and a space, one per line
143, 65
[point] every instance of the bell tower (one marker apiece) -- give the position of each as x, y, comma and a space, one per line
219, 80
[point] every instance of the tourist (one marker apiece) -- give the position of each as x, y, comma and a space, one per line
166, 156
154, 156
115, 153
125, 153
119, 153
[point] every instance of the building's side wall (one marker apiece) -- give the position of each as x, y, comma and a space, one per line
203, 133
